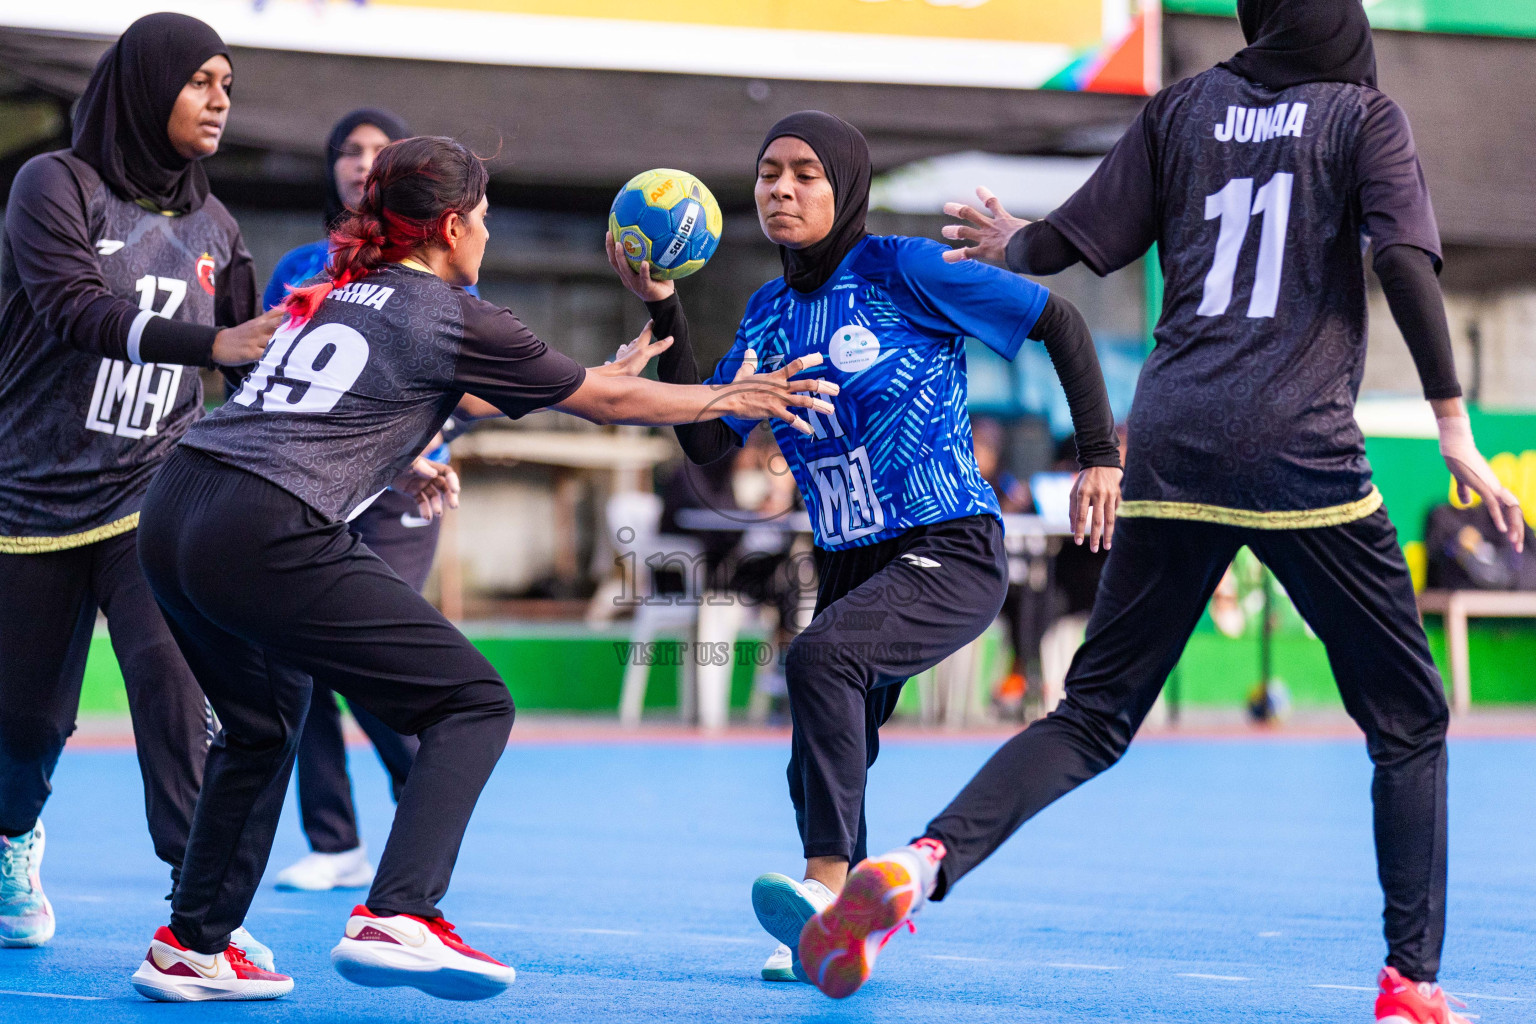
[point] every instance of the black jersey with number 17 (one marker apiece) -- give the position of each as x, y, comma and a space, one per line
1261, 203
342, 402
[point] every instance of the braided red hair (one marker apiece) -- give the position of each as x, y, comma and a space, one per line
413, 187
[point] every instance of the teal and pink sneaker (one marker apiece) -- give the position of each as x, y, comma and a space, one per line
26, 916
839, 945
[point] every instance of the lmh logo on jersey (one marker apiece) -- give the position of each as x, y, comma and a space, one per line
1260, 124
848, 508
131, 400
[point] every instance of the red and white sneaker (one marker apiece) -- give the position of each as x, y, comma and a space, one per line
839, 945
424, 953
172, 973
1407, 1002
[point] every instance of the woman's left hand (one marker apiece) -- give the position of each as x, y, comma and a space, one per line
632, 358
639, 282
1095, 497
434, 486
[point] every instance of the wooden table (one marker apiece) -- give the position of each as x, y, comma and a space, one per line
627, 453
1456, 607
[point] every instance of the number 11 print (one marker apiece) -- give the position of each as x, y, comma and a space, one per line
1236, 204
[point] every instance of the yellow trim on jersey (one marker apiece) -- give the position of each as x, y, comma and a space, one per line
414, 265
1297, 519
40, 545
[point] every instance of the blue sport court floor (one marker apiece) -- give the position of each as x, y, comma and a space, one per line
1201, 880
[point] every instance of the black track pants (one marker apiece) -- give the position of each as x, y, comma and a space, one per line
391, 529
883, 614
261, 594
48, 605
1352, 586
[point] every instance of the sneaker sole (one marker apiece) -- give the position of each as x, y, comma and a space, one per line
780, 908
779, 974
835, 944
362, 967
164, 991
37, 939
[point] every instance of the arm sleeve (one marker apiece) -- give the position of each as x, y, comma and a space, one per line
1067, 340
1413, 294
234, 302
976, 300
1112, 219
234, 288
56, 262
1390, 186
505, 363
702, 442
1039, 248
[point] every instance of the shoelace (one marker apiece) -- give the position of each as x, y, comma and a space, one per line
443, 927
909, 924
16, 867
237, 957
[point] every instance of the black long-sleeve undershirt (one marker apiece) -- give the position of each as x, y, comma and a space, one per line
1040, 249
1060, 326
1408, 278
1069, 343
702, 442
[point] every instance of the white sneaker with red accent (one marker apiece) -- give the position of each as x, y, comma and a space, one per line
839, 945
1409, 1002
424, 953
172, 973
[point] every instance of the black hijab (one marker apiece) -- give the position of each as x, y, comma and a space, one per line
845, 156
1291, 42
385, 121
120, 124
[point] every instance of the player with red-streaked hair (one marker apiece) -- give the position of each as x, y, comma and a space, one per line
359, 378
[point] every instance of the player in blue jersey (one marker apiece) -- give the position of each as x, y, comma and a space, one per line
908, 534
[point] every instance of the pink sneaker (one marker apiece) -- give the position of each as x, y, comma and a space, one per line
1406, 1002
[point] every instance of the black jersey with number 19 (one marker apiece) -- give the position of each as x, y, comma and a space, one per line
342, 402
1261, 202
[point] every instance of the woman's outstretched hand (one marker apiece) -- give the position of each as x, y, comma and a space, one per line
1095, 497
245, 343
988, 235
755, 396
639, 282
632, 357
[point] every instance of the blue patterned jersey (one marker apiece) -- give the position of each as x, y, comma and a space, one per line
890, 325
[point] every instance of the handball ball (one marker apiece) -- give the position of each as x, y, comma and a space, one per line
669, 218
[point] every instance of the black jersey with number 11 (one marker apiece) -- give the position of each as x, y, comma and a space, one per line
1261, 203
342, 402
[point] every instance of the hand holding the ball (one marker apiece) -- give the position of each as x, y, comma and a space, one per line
641, 283
755, 396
